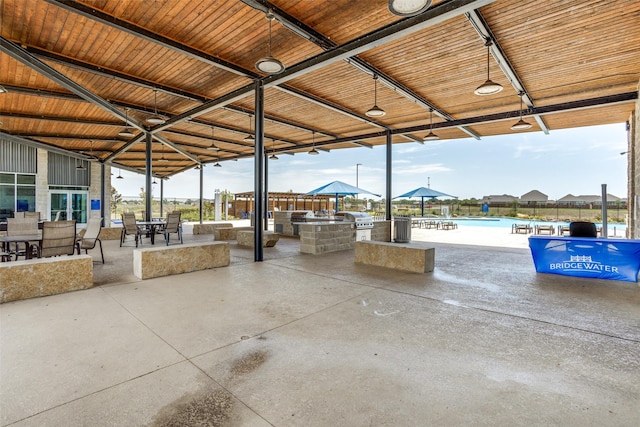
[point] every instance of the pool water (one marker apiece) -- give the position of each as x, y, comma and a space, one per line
508, 223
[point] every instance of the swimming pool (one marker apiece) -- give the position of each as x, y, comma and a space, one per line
500, 222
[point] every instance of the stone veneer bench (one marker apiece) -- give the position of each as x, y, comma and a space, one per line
399, 256
246, 238
209, 228
228, 233
161, 261
44, 276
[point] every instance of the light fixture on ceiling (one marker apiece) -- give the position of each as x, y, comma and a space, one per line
489, 87
213, 145
408, 7
313, 150
155, 119
521, 124
80, 167
126, 132
269, 64
430, 136
273, 153
375, 111
162, 159
154, 181
197, 167
250, 137
119, 174
217, 164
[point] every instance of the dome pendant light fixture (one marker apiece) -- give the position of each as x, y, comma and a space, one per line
313, 150
273, 153
217, 164
213, 145
430, 136
162, 159
155, 119
408, 7
269, 64
119, 174
521, 124
126, 132
375, 111
250, 137
489, 87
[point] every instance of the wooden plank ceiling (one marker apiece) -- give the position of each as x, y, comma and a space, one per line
74, 70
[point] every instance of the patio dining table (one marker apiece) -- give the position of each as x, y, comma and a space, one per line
21, 238
152, 227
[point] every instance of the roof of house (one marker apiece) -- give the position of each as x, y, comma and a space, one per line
534, 196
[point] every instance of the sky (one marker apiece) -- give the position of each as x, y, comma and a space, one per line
576, 161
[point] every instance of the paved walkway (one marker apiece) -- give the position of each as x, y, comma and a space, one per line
315, 340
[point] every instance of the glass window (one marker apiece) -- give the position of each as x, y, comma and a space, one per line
26, 180
7, 178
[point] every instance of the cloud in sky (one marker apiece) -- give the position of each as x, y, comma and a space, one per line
573, 161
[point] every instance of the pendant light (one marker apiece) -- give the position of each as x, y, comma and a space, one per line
250, 137
521, 124
213, 145
154, 181
313, 150
80, 166
375, 111
269, 64
126, 132
217, 164
162, 159
408, 7
489, 87
119, 174
155, 119
273, 153
430, 136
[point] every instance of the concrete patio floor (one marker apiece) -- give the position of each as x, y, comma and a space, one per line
316, 340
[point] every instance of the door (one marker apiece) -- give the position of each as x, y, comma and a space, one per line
70, 204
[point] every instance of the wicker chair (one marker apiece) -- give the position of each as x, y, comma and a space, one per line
129, 227
91, 236
173, 226
58, 238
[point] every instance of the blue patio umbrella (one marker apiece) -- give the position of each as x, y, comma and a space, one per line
339, 188
423, 193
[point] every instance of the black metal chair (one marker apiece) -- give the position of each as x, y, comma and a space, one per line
582, 229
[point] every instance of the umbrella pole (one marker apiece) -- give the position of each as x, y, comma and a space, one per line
422, 206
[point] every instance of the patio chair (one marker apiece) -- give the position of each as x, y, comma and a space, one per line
173, 226
129, 227
35, 215
58, 238
582, 229
20, 226
91, 236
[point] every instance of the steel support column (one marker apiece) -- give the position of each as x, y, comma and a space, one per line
387, 201
258, 170
201, 176
266, 191
102, 192
147, 175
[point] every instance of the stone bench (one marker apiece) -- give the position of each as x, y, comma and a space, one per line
404, 257
44, 276
228, 233
167, 260
209, 228
246, 238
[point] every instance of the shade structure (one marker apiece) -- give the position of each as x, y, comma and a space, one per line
424, 193
339, 188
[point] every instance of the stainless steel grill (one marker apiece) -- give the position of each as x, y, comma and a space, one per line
363, 223
301, 216
362, 220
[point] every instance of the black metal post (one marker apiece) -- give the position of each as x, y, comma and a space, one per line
201, 172
266, 191
388, 176
148, 173
258, 170
102, 191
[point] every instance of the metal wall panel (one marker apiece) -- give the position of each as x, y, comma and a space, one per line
17, 158
63, 170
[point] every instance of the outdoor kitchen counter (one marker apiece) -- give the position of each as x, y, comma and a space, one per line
331, 236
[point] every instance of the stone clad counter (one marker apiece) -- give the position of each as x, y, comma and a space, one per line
322, 236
